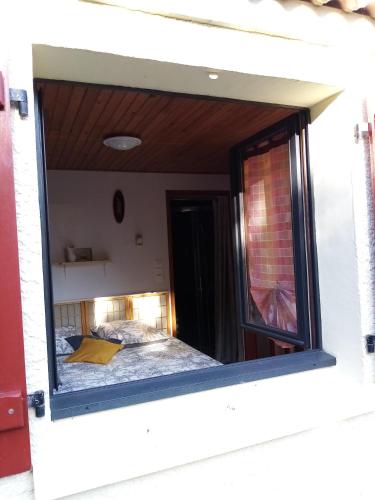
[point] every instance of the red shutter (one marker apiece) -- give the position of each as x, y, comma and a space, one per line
14, 430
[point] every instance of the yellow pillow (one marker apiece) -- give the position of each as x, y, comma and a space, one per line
94, 351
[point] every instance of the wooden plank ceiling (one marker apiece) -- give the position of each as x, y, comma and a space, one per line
179, 133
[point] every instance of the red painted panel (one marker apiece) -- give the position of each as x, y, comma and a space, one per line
15, 442
11, 411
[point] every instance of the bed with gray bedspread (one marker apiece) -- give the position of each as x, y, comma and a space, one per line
154, 355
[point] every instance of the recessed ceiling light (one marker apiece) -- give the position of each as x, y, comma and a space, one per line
213, 76
122, 142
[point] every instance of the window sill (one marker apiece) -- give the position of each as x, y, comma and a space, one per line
141, 391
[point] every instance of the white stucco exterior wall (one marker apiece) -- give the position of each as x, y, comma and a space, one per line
242, 438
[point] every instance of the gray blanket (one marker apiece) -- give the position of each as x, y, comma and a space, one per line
153, 359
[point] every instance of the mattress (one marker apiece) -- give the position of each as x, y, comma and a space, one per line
151, 359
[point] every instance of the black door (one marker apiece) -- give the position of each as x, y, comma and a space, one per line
192, 231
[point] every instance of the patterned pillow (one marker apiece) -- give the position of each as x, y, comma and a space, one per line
129, 332
65, 331
62, 346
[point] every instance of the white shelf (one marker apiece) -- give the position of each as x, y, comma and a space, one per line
82, 263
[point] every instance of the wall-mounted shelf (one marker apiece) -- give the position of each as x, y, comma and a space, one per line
82, 263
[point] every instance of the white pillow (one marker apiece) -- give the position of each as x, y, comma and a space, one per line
65, 331
62, 346
129, 332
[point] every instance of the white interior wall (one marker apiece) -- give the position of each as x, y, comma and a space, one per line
80, 210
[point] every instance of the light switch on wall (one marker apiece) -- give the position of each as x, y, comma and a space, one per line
158, 271
139, 240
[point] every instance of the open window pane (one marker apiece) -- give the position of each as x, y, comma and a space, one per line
270, 276
270, 184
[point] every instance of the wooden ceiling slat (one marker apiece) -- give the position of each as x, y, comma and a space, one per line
171, 135
74, 106
49, 104
210, 122
182, 132
138, 106
78, 124
195, 147
184, 110
100, 154
140, 121
58, 112
88, 135
87, 126
108, 116
237, 121
63, 98
179, 133
165, 138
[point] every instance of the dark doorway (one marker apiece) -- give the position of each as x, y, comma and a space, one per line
192, 245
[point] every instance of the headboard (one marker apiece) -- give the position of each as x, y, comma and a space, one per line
106, 309
69, 314
151, 308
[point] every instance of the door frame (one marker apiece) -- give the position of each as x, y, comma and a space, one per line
171, 195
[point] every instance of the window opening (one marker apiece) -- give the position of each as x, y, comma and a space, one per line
117, 316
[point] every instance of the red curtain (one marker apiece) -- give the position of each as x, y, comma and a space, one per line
269, 239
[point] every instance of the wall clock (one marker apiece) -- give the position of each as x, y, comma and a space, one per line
118, 206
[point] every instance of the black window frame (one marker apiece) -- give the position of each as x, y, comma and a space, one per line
293, 130
129, 393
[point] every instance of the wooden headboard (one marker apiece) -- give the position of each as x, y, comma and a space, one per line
152, 308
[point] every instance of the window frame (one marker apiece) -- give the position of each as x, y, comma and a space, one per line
304, 245
66, 405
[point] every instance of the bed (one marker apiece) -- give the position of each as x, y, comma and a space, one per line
148, 350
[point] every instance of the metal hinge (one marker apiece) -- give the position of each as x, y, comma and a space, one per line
362, 130
370, 343
19, 97
36, 400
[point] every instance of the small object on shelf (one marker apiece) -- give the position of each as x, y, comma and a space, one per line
70, 254
83, 254
78, 254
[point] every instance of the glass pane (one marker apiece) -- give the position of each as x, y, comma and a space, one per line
269, 240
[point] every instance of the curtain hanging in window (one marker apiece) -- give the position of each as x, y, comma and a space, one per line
229, 345
269, 240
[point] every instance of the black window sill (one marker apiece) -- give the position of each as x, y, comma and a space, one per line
140, 391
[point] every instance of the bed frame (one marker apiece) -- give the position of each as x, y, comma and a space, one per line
152, 308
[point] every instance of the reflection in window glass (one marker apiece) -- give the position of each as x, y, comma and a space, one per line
269, 240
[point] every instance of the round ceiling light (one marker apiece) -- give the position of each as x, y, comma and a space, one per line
122, 142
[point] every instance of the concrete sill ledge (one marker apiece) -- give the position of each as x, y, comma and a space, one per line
141, 391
